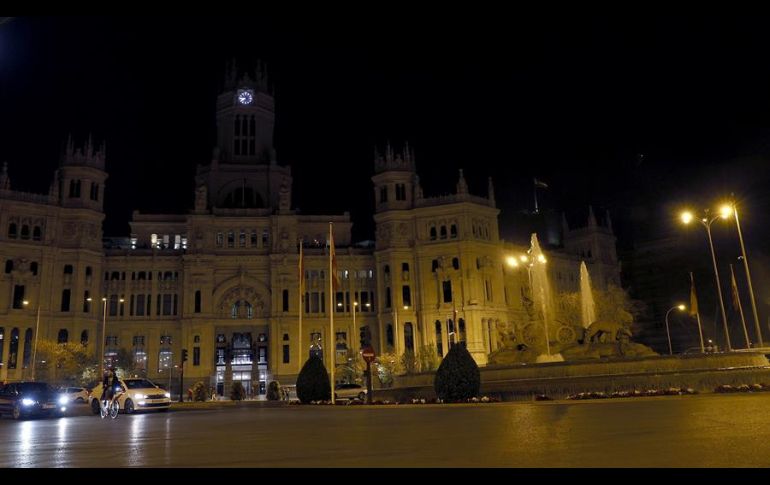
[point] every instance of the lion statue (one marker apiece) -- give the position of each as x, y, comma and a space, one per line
605, 330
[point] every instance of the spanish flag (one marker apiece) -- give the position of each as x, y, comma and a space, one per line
333, 256
693, 298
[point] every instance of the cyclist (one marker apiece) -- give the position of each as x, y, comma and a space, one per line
109, 384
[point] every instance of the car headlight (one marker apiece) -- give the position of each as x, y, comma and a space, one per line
139, 395
27, 401
63, 400
168, 394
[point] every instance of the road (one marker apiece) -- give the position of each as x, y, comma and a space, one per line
680, 431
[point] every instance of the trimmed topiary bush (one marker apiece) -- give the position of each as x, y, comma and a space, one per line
458, 377
273, 391
200, 391
237, 392
313, 382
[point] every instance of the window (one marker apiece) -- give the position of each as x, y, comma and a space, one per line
400, 192
389, 335
89, 272
433, 233
196, 356
33, 268
404, 267
456, 263
63, 336
383, 194
13, 349
84, 337
253, 239
434, 265
439, 340
65, 300
453, 231
286, 354
447, 290
18, 296
488, 290
74, 189
285, 302
242, 239
387, 297
462, 332
265, 238
37, 235
408, 337
94, 191
167, 304
230, 239
165, 357
12, 230
406, 295
197, 301
25, 232
443, 232
8, 266
27, 358
220, 239
113, 305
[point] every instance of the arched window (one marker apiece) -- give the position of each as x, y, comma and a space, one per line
408, 337
37, 234
89, 272
242, 309
27, 348
13, 349
8, 266
84, 337
453, 231
439, 339
25, 232
63, 336
389, 335
285, 302
197, 301
68, 269
12, 230
434, 265
443, 232
456, 263
433, 233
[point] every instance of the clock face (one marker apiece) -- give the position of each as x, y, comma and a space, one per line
245, 97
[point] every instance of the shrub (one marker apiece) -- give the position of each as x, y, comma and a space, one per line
458, 377
409, 362
201, 392
273, 391
237, 392
313, 382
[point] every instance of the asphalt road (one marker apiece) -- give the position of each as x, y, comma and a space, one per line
680, 431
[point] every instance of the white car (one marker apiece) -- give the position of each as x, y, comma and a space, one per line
138, 394
350, 391
75, 395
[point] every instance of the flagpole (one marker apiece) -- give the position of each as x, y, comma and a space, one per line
737, 301
697, 313
299, 308
332, 337
534, 189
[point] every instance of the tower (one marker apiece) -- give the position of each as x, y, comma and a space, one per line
79, 181
395, 182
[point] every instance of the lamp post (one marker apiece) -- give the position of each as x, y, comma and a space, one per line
732, 209
104, 337
37, 329
528, 261
707, 220
681, 308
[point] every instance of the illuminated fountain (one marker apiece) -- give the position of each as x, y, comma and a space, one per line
542, 297
587, 306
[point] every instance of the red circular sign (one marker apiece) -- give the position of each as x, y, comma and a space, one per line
368, 354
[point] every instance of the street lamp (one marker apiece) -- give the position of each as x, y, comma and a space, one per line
104, 334
681, 308
37, 329
731, 209
707, 220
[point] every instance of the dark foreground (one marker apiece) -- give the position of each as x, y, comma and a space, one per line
681, 431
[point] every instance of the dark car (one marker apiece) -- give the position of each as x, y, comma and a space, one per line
24, 399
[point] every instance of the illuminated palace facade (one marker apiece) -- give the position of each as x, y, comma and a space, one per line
221, 281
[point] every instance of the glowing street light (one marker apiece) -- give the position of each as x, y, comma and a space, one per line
681, 308
511, 261
707, 220
37, 329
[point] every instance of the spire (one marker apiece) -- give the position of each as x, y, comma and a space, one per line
5, 181
564, 225
609, 221
591, 217
462, 186
417, 188
491, 191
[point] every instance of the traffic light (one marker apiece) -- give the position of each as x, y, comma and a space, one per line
184, 355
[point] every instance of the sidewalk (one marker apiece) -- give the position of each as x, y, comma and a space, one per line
226, 403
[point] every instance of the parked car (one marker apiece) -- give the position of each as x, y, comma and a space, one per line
25, 399
350, 391
75, 394
138, 394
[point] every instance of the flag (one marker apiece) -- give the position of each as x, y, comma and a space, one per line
540, 184
333, 256
693, 298
736, 299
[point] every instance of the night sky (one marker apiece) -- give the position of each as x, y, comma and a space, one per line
634, 114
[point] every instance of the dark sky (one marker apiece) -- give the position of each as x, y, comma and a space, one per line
572, 100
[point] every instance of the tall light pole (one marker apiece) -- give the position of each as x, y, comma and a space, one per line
681, 308
37, 329
732, 209
104, 337
707, 220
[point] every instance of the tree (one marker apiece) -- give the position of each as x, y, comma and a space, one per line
458, 377
428, 358
388, 365
313, 381
237, 392
353, 370
60, 364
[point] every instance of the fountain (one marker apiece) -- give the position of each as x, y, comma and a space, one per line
587, 307
542, 297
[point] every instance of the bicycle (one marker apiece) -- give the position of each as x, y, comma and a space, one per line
111, 408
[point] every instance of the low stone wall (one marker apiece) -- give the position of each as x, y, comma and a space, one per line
559, 379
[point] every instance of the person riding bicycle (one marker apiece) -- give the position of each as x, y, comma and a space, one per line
109, 384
